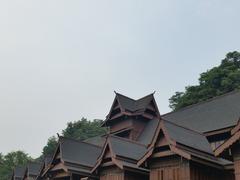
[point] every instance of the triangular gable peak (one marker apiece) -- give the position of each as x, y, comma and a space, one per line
162, 145
56, 168
32, 170
107, 157
115, 111
45, 165
128, 117
73, 158
171, 139
116, 154
123, 105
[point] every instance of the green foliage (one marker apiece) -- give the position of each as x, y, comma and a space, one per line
81, 130
1, 159
50, 147
84, 129
11, 160
216, 81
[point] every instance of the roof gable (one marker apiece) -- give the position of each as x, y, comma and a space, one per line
45, 165
33, 169
123, 105
107, 153
73, 156
121, 152
172, 138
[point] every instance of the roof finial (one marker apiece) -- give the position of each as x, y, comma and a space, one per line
58, 135
115, 92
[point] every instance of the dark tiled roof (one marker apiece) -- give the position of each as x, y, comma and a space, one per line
98, 140
134, 105
216, 113
78, 152
188, 137
126, 102
127, 148
148, 132
34, 168
19, 172
47, 160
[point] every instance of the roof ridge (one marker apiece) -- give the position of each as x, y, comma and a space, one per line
196, 132
125, 96
101, 136
132, 98
128, 140
151, 94
80, 141
205, 101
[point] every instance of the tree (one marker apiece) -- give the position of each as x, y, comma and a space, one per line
80, 130
49, 149
1, 159
10, 161
214, 82
84, 129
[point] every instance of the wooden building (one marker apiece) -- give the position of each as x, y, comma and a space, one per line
18, 173
45, 165
199, 142
32, 171
72, 160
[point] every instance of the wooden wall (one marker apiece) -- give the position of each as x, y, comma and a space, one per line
176, 168
200, 172
112, 174
173, 168
117, 174
135, 176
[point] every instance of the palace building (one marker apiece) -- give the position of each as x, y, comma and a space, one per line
198, 142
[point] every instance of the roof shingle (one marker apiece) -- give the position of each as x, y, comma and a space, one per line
79, 152
216, 113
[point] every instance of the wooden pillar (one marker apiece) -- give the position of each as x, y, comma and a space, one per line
236, 161
185, 170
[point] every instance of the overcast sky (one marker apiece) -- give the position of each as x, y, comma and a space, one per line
62, 60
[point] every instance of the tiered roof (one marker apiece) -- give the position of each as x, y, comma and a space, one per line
123, 105
122, 152
182, 133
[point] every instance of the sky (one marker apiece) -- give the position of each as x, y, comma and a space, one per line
61, 60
